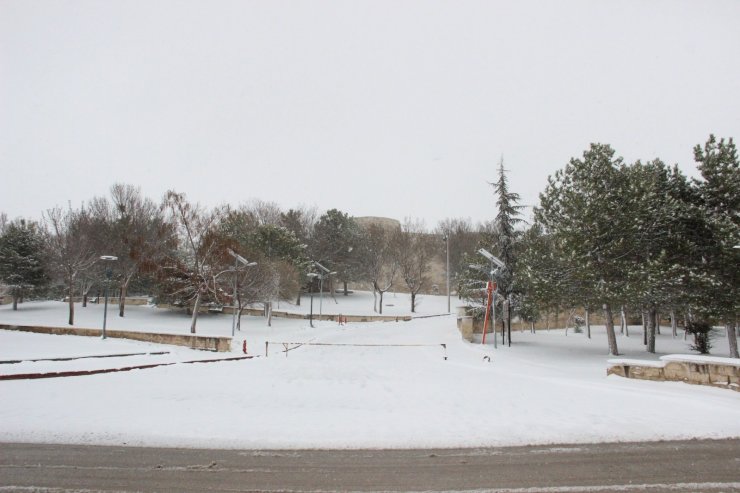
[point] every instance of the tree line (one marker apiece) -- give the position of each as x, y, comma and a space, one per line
189, 255
621, 238
625, 238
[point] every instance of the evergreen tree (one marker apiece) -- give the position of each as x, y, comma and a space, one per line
336, 237
583, 208
22, 266
542, 275
506, 243
720, 172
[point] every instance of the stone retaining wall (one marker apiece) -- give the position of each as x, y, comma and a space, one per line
301, 316
208, 343
468, 326
112, 300
717, 372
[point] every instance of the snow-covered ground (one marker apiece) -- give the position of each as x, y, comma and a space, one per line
546, 388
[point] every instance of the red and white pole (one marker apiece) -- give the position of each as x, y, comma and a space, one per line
489, 290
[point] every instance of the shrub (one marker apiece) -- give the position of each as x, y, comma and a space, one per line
702, 332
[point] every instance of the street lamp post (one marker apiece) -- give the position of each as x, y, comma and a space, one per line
237, 260
312, 276
447, 243
324, 273
108, 275
495, 261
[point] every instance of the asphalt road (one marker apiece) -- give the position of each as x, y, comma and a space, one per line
706, 466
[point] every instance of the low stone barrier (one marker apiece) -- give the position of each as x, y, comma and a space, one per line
469, 325
301, 316
694, 369
466, 325
112, 300
207, 343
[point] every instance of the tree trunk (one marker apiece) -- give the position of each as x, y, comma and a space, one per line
333, 291
685, 324
611, 336
657, 321
269, 313
381, 302
644, 328
651, 318
588, 323
194, 319
508, 319
346, 291
732, 339
122, 300
15, 302
413, 302
674, 325
71, 302
84, 299
531, 328
625, 328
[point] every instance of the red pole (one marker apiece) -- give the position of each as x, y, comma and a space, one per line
489, 290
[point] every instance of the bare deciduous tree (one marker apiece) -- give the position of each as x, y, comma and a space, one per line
415, 250
71, 249
193, 272
381, 260
139, 235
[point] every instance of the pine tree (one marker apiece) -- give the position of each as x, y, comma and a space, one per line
22, 265
336, 237
720, 172
583, 208
508, 216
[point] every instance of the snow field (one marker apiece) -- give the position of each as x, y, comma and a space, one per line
547, 388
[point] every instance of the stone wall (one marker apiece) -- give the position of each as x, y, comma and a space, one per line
208, 343
112, 300
717, 372
258, 312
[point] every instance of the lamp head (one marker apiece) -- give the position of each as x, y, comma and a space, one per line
491, 257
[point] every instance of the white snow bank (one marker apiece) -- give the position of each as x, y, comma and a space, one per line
698, 358
636, 362
547, 388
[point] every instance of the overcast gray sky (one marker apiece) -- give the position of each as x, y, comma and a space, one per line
389, 108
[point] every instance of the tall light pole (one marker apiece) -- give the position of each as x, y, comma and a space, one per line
108, 275
237, 260
312, 276
324, 273
447, 243
495, 261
